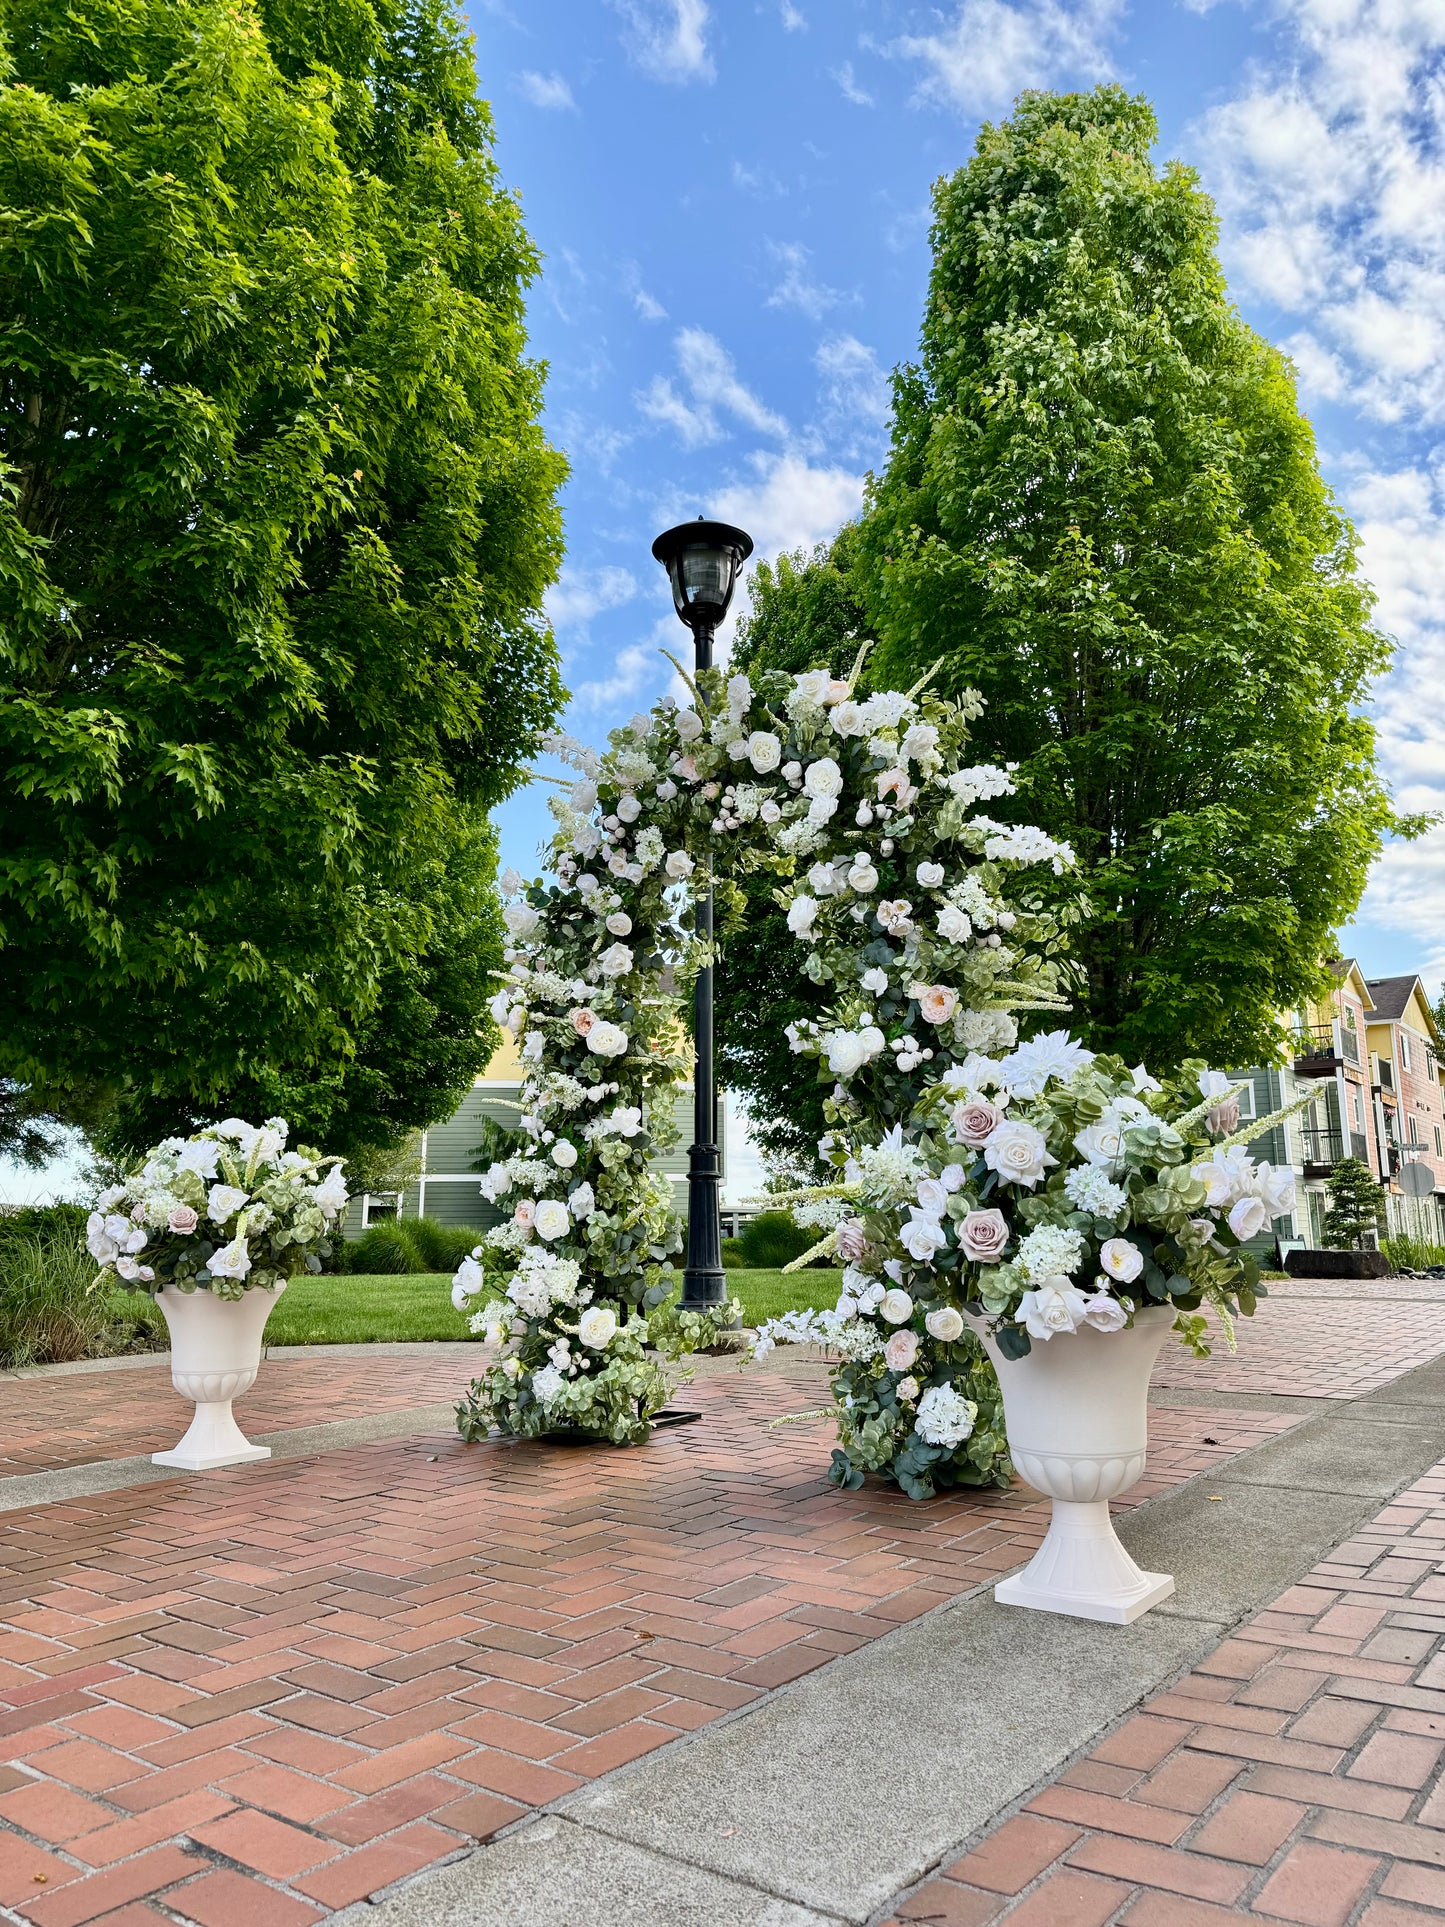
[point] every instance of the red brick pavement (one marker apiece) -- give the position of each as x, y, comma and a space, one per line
1296, 1345
77, 1418
1293, 1775
263, 1694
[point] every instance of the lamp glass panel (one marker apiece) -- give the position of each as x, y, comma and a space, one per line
707, 576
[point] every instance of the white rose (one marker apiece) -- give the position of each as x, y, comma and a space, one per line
628, 809
850, 719
952, 925
679, 864
1247, 1218
552, 1219
1102, 1144
1104, 1313
619, 924
223, 1202
596, 1327
1055, 1307
1018, 1152
945, 1324
930, 875
1277, 1189
846, 1052
823, 778
901, 1351
769, 812
862, 877
765, 752
564, 1155
875, 981
896, 1306
606, 1040
801, 914
232, 1261
521, 919
583, 1202
921, 1237
1122, 1259
689, 725
616, 960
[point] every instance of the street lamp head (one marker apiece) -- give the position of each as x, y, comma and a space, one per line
702, 560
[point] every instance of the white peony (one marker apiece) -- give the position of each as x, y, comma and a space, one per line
1276, 1188
1055, 1307
901, 1351
1122, 1259
628, 809
596, 1327
765, 752
224, 1201
945, 1324
607, 1040
330, 1196
552, 1219
619, 924
1018, 1152
199, 1155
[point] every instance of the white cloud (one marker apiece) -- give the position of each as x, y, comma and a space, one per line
797, 289
668, 38
993, 48
649, 308
713, 385
631, 670
855, 388
545, 90
787, 503
1329, 170
848, 86
793, 20
584, 593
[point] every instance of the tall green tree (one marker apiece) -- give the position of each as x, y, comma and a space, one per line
276, 516
1102, 508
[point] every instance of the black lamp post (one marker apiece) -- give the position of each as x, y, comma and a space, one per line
702, 560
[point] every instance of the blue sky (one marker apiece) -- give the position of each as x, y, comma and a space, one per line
732, 197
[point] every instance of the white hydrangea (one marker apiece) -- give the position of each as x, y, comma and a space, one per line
1048, 1251
890, 1169
1090, 1187
944, 1417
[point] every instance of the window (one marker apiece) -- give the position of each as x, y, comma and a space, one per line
1439, 1149
1359, 1110
376, 1205
1405, 1064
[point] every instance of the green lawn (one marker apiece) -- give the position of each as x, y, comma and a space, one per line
358, 1310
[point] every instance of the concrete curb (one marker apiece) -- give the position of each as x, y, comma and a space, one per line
840, 1790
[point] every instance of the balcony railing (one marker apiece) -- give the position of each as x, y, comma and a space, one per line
1323, 1150
1315, 1053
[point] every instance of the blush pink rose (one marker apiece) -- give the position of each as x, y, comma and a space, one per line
526, 1211
984, 1236
974, 1123
852, 1240
901, 1350
937, 1002
182, 1220
582, 1021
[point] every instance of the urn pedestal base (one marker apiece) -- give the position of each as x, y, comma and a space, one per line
215, 1355
1081, 1569
214, 1439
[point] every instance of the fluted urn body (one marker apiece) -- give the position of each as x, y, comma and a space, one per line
1076, 1410
215, 1356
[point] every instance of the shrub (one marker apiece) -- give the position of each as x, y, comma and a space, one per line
385, 1249
1357, 1205
772, 1240
48, 1313
1412, 1254
441, 1247
28, 1219
733, 1256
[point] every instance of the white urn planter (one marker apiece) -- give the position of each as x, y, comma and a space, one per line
215, 1355
1076, 1410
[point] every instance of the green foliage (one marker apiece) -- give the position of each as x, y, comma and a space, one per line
1413, 1254
276, 516
49, 1313
677, 1333
441, 1247
1357, 1205
384, 1250
772, 1239
1102, 509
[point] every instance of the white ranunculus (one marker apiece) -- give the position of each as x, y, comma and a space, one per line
1104, 1313
930, 875
552, 1219
1057, 1306
862, 876
765, 752
231, 1261
224, 1201
1122, 1259
1018, 1152
802, 912
616, 960
945, 1324
564, 1155
896, 1306
952, 925
597, 1327
1248, 1217
606, 1040
678, 865
823, 778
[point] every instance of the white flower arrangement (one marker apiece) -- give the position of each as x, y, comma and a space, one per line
226, 1210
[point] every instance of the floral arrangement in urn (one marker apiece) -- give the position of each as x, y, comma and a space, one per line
223, 1211
1037, 1194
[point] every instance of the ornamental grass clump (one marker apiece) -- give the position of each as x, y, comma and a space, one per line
225, 1211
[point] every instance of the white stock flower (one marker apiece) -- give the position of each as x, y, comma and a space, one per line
1090, 1187
1055, 1307
596, 1327
1048, 1251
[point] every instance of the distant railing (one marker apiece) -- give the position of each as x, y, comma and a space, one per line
1322, 1146
1350, 1043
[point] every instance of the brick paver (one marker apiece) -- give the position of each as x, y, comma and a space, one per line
75, 1419
266, 1693
1288, 1347
1293, 1775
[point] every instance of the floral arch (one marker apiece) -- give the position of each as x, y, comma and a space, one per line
899, 891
